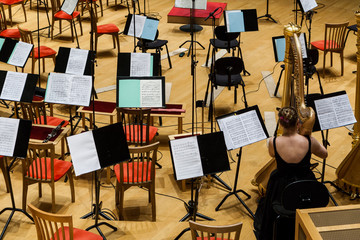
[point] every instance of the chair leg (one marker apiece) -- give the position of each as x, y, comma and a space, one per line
101, 8
167, 50
121, 203
25, 189
331, 59
81, 29
71, 182
72, 26
117, 41
23, 7
342, 63
96, 42
153, 202
52, 185
113, 39
43, 65
40, 189
324, 64
235, 95
10, 16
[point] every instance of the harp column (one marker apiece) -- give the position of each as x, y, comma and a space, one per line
356, 133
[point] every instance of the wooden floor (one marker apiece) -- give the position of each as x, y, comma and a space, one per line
258, 56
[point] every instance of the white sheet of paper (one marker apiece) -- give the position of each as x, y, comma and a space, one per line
303, 45
308, 4
150, 93
58, 87
186, 158
8, 133
13, 86
199, 4
69, 6
77, 61
334, 112
83, 153
140, 64
20, 54
80, 93
139, 25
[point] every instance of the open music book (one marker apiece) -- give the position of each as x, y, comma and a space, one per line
14, 52
241, 20
145, 27
75, 61
198, 4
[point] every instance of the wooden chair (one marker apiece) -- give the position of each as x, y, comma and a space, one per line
41, 166
45, 52
334, 42
109, 29
56, 226
138, 171
58, 15
136, 122
207, 232
10, 3
4, 31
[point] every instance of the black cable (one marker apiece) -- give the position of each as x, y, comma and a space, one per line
165, 195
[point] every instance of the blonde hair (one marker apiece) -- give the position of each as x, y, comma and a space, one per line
288, 117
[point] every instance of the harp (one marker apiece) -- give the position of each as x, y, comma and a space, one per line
293, 95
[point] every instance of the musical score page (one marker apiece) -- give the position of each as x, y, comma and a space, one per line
151, 93
20, 54
8, 133
198, 4
140, 65
69, 6
307, 5
77, 61
139, 25
186, 158
13, 86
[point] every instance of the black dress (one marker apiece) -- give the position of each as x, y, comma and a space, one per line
284, 174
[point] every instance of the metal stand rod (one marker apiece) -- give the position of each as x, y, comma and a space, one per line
267, 15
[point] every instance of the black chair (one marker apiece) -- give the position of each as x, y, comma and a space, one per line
297, 195
157, 44
310, 69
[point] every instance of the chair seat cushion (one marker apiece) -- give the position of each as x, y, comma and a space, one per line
10, 33
131, 129
139, 167
222, 80
107, 28
78, 234
60, 168
64, 15
52, 121
329, 44
152, 44
224, 44
10, 2
44, 52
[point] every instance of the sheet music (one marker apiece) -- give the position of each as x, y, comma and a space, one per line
235, 21
8, 133
83, 153
80, 90
13, 86
241, 130
307, 5
150, 93
68, 6
186, 158
140, 65
199, 4
20, 54
58, 87
139, 25
150, 29
334, 112
303, 45
77, 61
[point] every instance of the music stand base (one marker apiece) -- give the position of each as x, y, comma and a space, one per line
99, 230
13, 210
92, 213
189, 41
216, 177
238, 197
268, 17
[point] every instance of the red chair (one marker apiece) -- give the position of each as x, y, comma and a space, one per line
4, 32
10, 3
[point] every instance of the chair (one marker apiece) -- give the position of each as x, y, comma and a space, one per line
136, 122
85, 4
4, 171
58, 15
138, 171
207, 232
10, 3
110, 29
41, 166
56, 226
45, 52
297, 195
157, 44
334, 42
4, 31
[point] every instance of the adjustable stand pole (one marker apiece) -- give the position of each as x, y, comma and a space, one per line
267, 15
13, 209
235, 191
47, 16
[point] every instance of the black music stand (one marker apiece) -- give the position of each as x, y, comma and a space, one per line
267, 15
250, 119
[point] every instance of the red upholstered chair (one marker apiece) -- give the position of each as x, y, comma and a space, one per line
45, 52
4, 32
10, 3
55, 226
3, 169
41, 166
334, 42
208, 232
138, 171
109, 29
58, 15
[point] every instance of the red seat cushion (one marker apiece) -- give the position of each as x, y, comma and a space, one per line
53, 121
78, 234
143, 177
128, 128
64, 15
329, 44
107, 28
60, 168
10, 33
44, 52
10, 2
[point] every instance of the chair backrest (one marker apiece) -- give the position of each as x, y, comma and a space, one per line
144, 42
51, 226
55, 6
312, 57
136, 122
35, 111
229, 65
2, 19
201, 231
222, 34
304, 194
34, 165
140, 168
335, 36
26, 35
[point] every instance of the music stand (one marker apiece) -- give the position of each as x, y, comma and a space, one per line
68, 6
13, 146
15, 52
241, 128
267, 15
95, 150
307, 7
197, 156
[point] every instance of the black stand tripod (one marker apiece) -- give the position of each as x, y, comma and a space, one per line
13, 209
235, 191
267, 15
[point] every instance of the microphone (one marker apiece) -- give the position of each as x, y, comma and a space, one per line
212, 13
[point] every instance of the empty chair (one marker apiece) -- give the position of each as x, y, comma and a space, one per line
334, 42
207, 232
4, 31
10, 3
